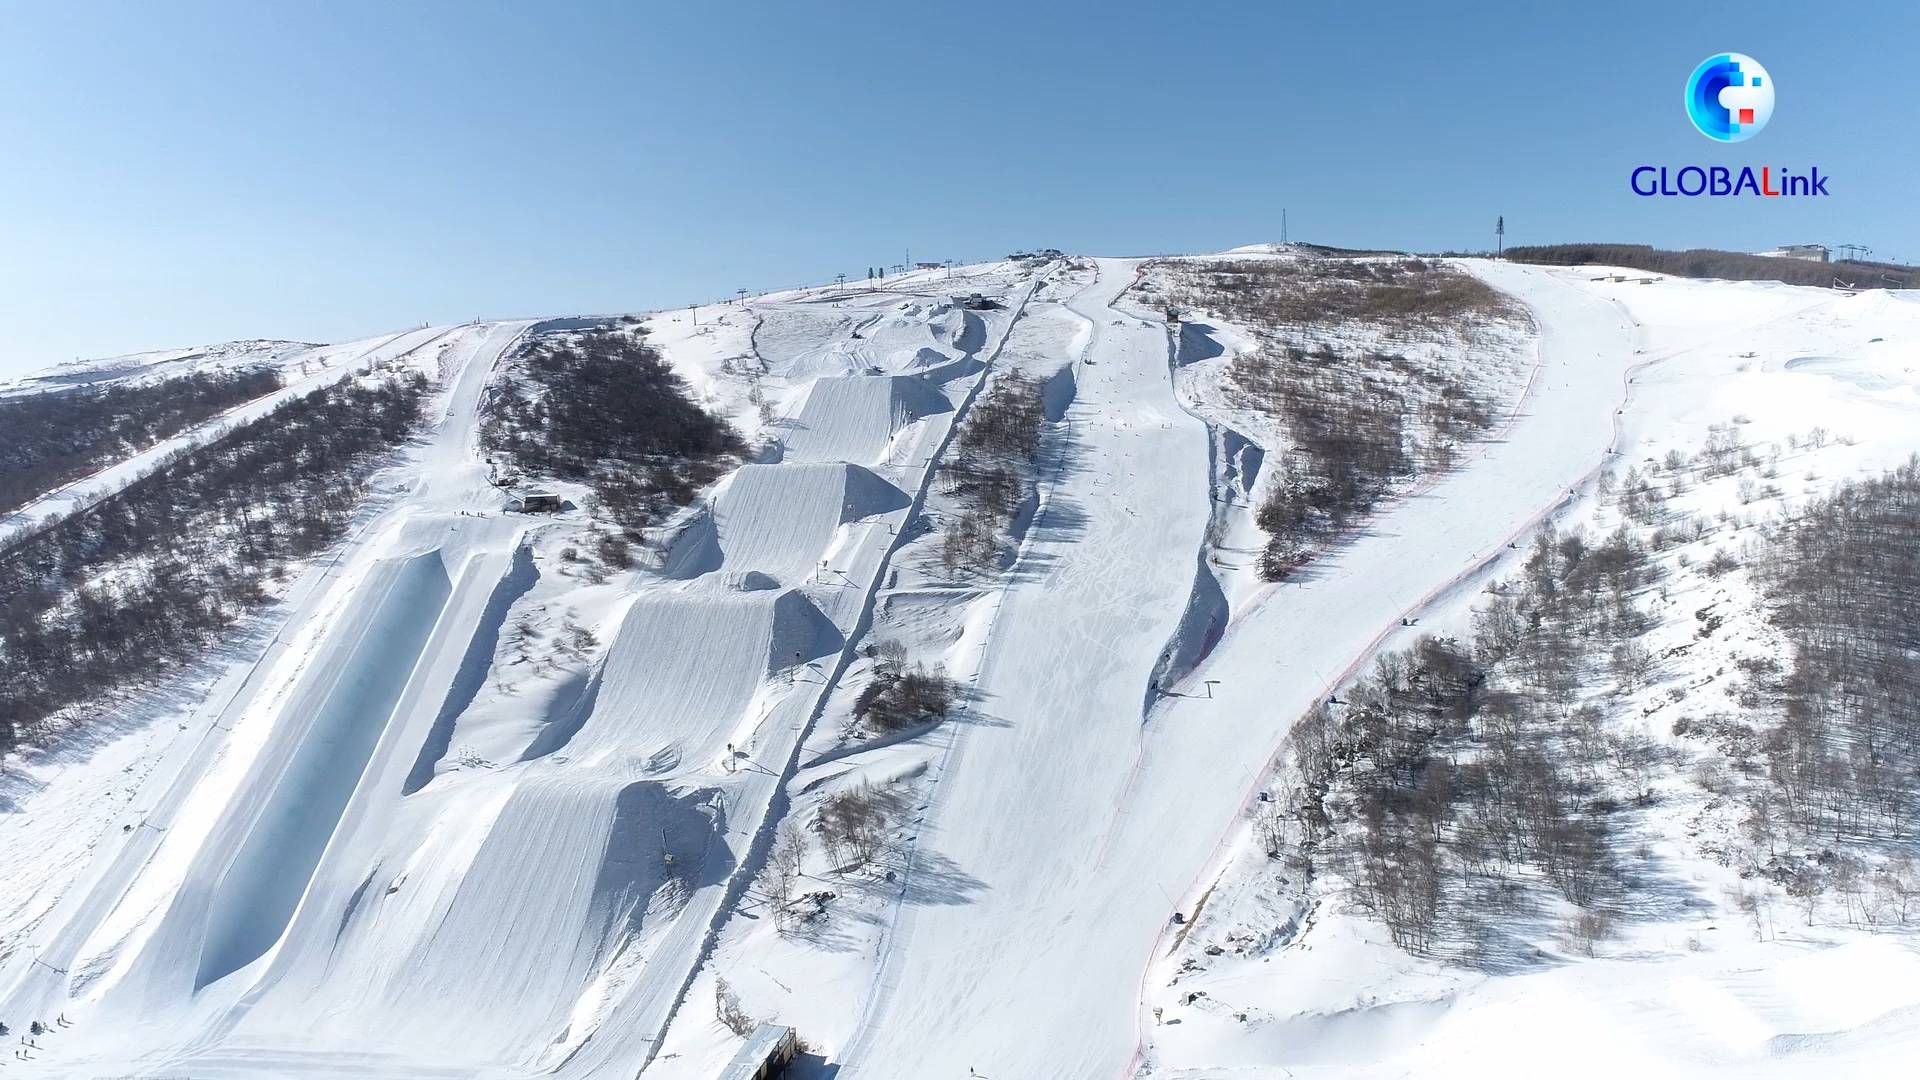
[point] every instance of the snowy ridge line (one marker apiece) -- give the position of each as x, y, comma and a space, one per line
22, 523
1217, 866
755, 855
951, 750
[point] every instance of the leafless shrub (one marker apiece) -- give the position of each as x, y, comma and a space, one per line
900, 698
728, 1010
605, 408
854, 825
1588, 928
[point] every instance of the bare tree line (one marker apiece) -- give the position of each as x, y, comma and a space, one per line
991, 473
1462, 779
1462, 785
853, 828
604, 408
152, 575
1842, 582
901, 695
1726, 265
56, 437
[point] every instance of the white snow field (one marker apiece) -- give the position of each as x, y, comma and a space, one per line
464, 807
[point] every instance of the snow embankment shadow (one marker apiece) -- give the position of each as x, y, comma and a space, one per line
1196, 343
1241, 460
1057, 394
973, 334
475, 663
1203, 622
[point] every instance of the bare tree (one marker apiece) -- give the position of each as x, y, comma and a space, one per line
783, 870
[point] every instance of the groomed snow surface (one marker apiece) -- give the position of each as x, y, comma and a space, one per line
465, 807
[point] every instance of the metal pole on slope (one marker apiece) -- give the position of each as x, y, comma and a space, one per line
1499, 235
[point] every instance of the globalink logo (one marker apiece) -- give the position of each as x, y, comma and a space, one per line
1729, 99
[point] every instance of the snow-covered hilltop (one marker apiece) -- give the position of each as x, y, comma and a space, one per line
984, 671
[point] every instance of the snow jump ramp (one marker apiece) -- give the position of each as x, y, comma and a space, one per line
855, 417
780, 520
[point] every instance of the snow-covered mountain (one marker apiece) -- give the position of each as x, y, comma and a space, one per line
941, 724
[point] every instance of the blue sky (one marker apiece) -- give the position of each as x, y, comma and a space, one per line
186, 173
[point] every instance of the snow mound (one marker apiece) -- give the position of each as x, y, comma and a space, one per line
683, 670
854, 418
780, 520
748, 581
603, 851
1860, 373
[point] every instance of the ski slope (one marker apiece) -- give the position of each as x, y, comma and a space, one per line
1079, 879
1096, 595
1693, 989
466, 809
330, 876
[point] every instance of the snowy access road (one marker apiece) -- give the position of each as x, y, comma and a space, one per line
1085, 828
88, 490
